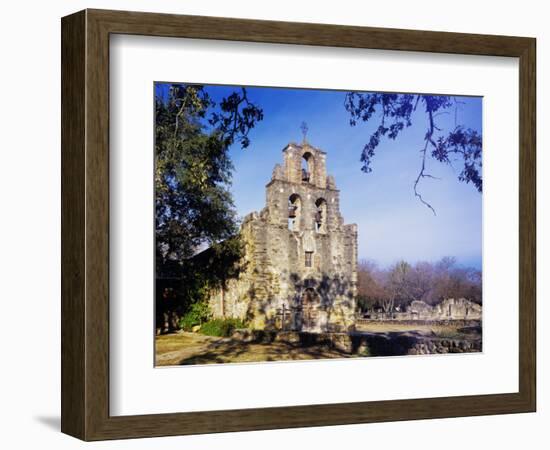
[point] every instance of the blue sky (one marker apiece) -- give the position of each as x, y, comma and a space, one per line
392, 223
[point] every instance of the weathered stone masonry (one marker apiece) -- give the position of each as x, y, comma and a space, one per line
300, 263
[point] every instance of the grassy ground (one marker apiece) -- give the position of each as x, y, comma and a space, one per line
193, 348
448, 330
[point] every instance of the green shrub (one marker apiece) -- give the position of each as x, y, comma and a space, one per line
198, 314
221, 327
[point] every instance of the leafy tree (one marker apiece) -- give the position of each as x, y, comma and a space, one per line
194, 208
396, 112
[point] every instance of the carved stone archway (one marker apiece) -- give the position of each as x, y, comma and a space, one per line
313, 315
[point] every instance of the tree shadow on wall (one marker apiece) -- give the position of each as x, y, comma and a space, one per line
328, 289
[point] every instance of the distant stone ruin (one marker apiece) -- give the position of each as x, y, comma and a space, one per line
448, 309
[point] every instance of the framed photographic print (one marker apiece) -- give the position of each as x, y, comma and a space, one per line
266, 224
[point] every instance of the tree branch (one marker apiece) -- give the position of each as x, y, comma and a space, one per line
422, 173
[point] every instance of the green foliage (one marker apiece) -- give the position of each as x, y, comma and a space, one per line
193, 204
194, 208
221, 327
198, 314
366, 352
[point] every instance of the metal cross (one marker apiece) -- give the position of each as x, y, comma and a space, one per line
304, 129
282, 312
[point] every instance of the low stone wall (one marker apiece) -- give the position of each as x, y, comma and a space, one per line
433, 346
367, 344
401, 343
448, 309
459, 323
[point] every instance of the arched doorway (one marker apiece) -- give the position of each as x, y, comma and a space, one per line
310, 297
314, 316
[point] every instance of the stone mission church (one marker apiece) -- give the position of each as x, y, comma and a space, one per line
300, 262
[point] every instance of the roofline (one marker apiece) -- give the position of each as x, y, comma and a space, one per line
301, 146
290, 182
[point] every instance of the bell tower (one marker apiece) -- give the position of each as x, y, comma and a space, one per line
301, 257
305, 164
300, 195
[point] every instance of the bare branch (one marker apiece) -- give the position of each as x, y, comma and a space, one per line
416, 103
178, 115
456, 109
422, 173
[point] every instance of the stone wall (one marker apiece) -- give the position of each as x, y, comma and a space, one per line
367, 344
448, 309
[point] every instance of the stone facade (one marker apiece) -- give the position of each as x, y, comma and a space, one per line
300, 263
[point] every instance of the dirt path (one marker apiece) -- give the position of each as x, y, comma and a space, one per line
379, 339
192, 348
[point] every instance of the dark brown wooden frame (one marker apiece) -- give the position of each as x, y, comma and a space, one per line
85, 224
